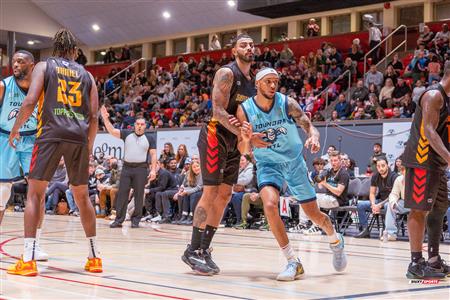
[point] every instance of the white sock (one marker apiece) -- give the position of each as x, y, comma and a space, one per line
289, 253
92, 245
29, 248
184, 213
38, 235
333, 239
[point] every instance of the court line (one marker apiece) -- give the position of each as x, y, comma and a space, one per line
351, 296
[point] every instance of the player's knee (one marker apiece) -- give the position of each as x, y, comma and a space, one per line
5, 193
271, 207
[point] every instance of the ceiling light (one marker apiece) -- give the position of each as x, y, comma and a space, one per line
30, 42
231, 3
166, 15
103, 53
95, 27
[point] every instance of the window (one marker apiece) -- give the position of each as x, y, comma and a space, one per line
179, 46
226, 38
276, 32
410, 16
376, 15
159, 49
340, 24
442, 11
201, 40
255, 33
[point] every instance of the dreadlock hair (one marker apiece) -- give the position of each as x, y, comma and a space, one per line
27, 53
63, 42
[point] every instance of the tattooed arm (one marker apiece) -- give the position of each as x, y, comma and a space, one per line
223, 80
296, 113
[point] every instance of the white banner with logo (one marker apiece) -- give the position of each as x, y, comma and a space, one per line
108, 145
395, 136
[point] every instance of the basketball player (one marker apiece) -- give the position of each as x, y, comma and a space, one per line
219, 155
277, 116
67, 124
426, 158
13, 90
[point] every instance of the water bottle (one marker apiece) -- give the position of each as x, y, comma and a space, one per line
385, 236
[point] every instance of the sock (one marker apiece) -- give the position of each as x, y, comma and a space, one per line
416, 256
184, 213
29, 248
92, 245
196, 237
333, 238
38, 235
289, 253
207, 237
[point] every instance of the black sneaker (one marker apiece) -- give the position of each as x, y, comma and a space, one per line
197, 263
440, 266
115, 225
206, 254
421, 270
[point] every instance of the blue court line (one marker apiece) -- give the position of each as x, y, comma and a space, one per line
353, 296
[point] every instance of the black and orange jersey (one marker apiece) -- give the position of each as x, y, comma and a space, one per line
418, 152
63, 108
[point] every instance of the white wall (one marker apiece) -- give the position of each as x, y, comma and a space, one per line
24, 16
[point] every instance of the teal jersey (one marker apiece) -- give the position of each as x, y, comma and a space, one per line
279, 129
13, 97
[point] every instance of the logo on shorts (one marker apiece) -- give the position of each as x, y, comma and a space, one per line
273, 134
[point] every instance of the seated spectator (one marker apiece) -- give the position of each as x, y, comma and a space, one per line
189, 193
248, 199
396, 64
418, 91
407, 106
360, 114
181, 156
286, 56
417, 66
426, 37
167, 152
374, 76
390, 73
434, 70
442, 39
215, 43
386, 93
372, 105
243, 185
342, 107
400, 90
379, 113
58, 185
356, 54
110, 188
396, 113
377, 154
313, 28
164, 197
334, 117
360, 92
101, 183
334, 72
318, 165
383, 181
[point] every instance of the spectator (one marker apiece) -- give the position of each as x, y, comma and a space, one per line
400, 91
377, 154
373, 76
110, 56
375, 36
442, 39
426, 37
81, 58
182, 155
396, 113
417, 66
214, 44
318, 165
356, 54
165, 196
360, 92
386, 93
396, 64
407, 106
111, 188
360, 114
57, 186
334, 72
167, 152
248, 199
383, 182
243, 185
126, 53
313, 28
286, 56
342, 107
434, 70
418, 91
101, 181
390, 73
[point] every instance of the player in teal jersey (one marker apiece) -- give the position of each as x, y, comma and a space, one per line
15, 163
275, 117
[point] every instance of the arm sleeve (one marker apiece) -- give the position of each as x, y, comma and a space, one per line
373, 181
151, 140
395, 194
124, 134
344, 179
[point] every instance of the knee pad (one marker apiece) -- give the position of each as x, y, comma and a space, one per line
5, 193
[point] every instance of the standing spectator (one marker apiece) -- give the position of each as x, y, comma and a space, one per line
126, 53
374, 76
214, 44
383, 182
137, 147
313, 28
377, 154
375, 36
110, 56
81, 58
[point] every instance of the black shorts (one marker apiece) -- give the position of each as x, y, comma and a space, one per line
219, 156
425, 189
46, 157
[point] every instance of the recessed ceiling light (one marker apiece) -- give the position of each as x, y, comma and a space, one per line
103, 53
95, 27
166, 15
231, 3
30, 42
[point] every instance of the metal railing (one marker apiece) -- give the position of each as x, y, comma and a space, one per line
336, 80
385, 40
117, 74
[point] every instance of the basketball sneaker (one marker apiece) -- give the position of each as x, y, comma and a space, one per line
206, 254
40, 254
339, 256
94, 265
299, 228
22, 268
312, 230
294, 270
439, 266
421, 270
195, 260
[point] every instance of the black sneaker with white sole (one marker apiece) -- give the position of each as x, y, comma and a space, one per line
206, 254
195, 260
421, 270
439, 266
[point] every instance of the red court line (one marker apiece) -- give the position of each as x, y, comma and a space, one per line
83, 282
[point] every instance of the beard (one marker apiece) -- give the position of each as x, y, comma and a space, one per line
21, 75
267, 96
245, 58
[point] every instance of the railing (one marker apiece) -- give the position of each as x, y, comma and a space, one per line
117, 74
336, 80
385, 40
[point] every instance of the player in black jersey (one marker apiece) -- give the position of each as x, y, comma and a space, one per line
67, 100
426, 158
219, 156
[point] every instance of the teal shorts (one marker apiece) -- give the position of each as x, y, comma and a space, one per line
15, 163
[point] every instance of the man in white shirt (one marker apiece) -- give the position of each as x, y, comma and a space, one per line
375, 36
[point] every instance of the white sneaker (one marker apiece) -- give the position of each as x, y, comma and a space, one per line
156, 219
294, 270
313, 230
299, 228
40, 254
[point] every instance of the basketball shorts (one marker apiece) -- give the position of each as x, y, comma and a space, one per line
15, 163
425, 189
219, 156
294, 173
46, 157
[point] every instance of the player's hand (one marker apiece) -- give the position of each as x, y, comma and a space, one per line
313, 143
234, 121
104, 112
246, 131
14, 138
257, 140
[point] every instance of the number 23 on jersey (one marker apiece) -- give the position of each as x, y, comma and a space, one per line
71, 96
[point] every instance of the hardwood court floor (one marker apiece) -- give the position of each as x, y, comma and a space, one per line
145, 263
